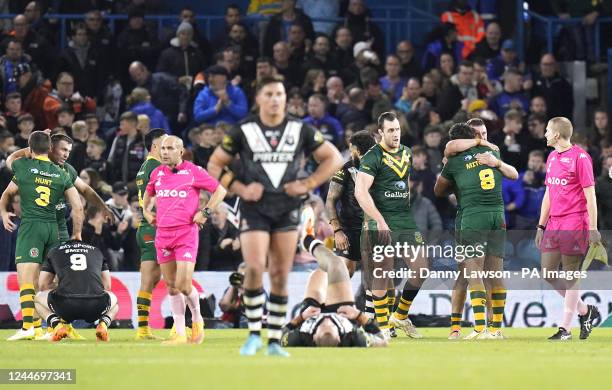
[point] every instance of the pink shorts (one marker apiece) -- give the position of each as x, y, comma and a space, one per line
568, 234
177, 243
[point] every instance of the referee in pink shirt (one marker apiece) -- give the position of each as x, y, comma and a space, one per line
175, 186
568, 222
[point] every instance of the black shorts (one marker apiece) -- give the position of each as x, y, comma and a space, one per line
252, 219
72, 308
353, 252
333, 308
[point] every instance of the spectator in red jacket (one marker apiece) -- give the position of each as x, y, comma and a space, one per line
65, 96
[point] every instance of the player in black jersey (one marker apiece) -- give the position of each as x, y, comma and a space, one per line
83, 289
328, 317
347, 222
271, 146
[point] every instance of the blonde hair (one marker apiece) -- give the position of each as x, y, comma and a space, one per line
78, 127
138, 95
563, 126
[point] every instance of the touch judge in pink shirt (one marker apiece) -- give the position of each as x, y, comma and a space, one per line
568, 221
176, 187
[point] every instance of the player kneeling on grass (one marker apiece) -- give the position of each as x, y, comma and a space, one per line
328, 317
83, 289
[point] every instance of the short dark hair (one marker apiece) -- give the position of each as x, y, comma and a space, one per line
386, 116
320, 97
461, 130
78, 26
4, 135
25, 117
268, 80
152, 136
418, 149
538, 117
91, 212
538, 153
91, 115
466, 64
63, 74
363, 141
129, 116
64, 110
12, 95
57, 138
475, 122
39, 142
232, 6
267, 60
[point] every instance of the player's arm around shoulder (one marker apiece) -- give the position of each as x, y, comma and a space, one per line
444, 181
16, 155
494, 161
457, 146
11, 190
72, 196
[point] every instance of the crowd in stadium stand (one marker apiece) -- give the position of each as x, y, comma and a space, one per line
107, 90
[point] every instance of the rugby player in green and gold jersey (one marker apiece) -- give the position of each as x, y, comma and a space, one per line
476, 175
150, 273
42, 186
61, 146
383, 193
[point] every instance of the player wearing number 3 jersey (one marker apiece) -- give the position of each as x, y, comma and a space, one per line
41, 186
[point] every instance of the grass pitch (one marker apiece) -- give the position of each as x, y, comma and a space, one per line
524, 361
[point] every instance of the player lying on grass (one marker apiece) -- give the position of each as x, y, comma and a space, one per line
328, 317
83, 289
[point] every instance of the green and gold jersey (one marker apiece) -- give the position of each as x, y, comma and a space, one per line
478, 187
142, 179
390, 190
61, 207
41, 188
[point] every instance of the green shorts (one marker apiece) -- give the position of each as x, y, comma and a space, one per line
486, 229
145, 236
403, 230
34, 240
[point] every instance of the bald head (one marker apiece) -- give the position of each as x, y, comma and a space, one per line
138, 72
548, 65
172, 151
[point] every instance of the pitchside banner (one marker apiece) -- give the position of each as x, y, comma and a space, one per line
532, 307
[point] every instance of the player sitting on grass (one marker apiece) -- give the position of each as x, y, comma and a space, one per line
83, 290
328, 317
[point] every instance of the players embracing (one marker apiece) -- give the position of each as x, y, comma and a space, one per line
474, 173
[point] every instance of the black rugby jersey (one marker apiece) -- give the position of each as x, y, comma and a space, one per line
350, 214
272, 156
78, 267
351, 335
